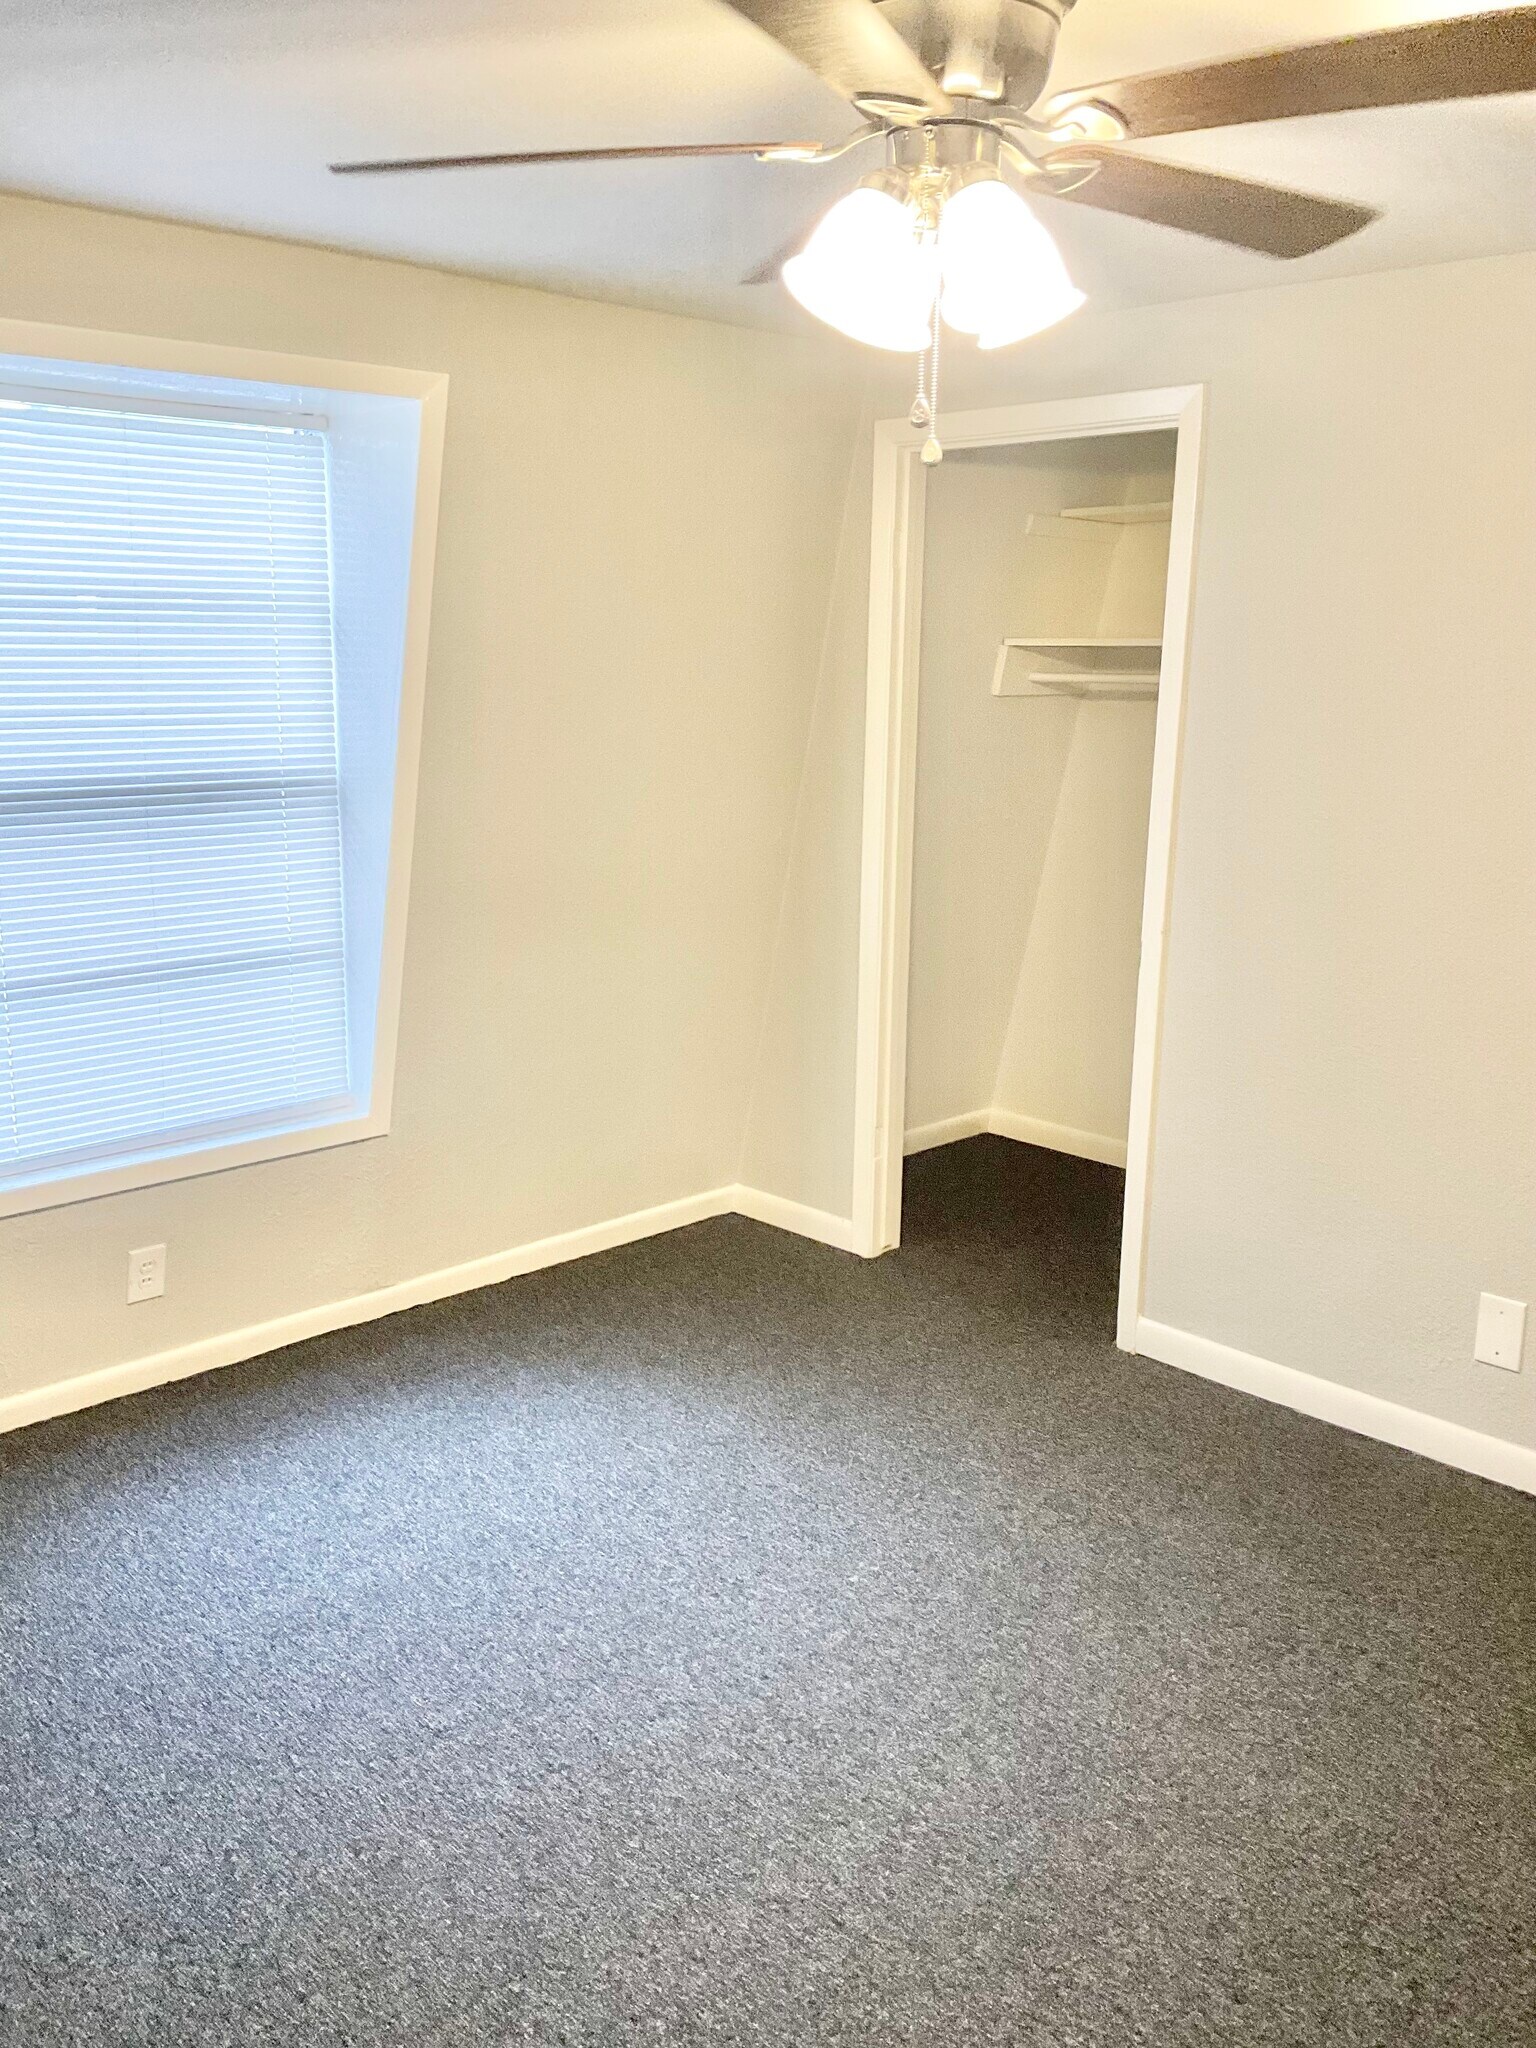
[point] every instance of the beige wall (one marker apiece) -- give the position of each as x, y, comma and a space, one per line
1066, 1054
640, 518
631, 957
1344, 1147
804, 1062
989, 769
1065, 1057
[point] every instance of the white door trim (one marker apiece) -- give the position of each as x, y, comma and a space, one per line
890, 763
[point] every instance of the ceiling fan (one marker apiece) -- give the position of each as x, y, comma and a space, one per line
956, 91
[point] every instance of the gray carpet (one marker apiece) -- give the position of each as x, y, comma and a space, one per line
726, 1641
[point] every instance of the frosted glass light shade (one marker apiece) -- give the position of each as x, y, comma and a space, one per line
865, 272
1003, 277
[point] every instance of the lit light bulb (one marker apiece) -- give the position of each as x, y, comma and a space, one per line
865, 272
1003, 276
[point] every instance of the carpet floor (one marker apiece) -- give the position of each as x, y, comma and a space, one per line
726, 1641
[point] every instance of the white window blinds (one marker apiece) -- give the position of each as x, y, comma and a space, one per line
171, 929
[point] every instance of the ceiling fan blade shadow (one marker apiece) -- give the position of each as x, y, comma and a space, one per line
1266, 218
852, 47
1469, 57
562, 156
768, 273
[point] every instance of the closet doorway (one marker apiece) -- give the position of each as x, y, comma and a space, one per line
1029, 606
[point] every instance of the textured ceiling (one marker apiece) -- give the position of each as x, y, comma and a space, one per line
226, 112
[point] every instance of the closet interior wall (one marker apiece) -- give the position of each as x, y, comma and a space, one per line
1031, 821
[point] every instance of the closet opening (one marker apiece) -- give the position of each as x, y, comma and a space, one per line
1029, 610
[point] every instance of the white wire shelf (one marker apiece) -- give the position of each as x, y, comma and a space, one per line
1112, 670
1153, 512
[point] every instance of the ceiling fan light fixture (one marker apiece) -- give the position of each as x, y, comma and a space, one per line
866, 272
1003, 277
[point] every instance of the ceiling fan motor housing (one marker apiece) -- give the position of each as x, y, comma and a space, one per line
998, 50
958, 147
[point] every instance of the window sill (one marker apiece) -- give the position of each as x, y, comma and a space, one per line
154, 1168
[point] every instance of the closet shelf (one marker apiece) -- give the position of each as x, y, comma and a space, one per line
1109, 669
1105, 683
1148, 514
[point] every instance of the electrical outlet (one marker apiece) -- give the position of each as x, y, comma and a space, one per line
1500, 1332
146, 1272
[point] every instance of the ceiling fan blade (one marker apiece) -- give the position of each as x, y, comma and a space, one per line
566, 156
1466, 58
851, 45
1268, 218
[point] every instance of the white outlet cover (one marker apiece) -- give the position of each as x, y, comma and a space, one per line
1500, 1332
146, 1273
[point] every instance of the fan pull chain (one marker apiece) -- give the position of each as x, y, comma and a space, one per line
925, 407
921, 414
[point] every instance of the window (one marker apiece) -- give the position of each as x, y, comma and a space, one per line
202, 624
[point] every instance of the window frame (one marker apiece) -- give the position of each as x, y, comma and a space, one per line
296, 388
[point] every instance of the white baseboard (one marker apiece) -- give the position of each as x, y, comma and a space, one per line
1033, 1130
1025, 1130
1448, 1443
947, 1132
783, 1214
63, 1397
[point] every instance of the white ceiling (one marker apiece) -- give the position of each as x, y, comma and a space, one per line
227, 112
